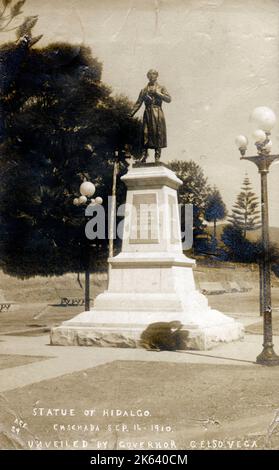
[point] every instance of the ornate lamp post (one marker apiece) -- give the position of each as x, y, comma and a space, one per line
87, 190
265, 119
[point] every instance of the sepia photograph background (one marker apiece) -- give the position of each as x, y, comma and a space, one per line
217, 58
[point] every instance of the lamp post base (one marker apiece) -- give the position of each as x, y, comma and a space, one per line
268, 357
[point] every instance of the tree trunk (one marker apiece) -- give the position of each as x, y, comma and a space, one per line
215, 229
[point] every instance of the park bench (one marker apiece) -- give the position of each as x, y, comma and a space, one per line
4, 304
210, 288
71, 298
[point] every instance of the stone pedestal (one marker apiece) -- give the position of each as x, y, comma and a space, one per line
151, 280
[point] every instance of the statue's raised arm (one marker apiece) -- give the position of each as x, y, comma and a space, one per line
164, 95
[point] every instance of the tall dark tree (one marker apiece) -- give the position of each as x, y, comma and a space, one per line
245, 214
215, 209
194, 190
61, 125
12, 56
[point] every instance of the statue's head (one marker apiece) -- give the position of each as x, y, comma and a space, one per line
152, 75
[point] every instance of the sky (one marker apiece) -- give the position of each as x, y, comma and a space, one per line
218, 60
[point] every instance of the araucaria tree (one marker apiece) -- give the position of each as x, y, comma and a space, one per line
245, 214
245, 217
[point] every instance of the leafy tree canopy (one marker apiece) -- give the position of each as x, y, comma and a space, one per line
215, 208
194, 190
60, 124
238, 248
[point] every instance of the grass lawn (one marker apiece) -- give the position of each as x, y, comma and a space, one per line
7, 360
257, 328
247, 302
35, 315
193, 400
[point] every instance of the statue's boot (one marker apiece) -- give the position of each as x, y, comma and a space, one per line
157, 154
144, 156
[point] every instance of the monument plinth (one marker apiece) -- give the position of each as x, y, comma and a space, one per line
151, 280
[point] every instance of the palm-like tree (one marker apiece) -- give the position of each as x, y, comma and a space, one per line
9, 14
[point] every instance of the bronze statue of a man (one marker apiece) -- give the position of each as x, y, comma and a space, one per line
154, 132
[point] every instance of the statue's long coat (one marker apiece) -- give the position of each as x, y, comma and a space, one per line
154, 132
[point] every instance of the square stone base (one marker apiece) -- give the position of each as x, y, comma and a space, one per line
120, 336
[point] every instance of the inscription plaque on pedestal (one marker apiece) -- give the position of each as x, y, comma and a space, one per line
144, 219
